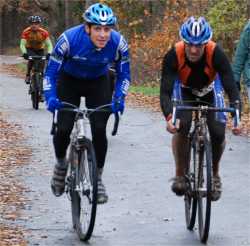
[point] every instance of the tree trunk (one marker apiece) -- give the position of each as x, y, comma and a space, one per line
248, 9
66, 7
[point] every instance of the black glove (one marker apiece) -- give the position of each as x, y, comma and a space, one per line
25, 56
48, 56
238, 85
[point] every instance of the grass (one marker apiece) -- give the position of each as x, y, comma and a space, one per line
22, 67
155, 91
145, 90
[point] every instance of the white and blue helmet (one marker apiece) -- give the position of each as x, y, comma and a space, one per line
196, 31
34, 19
99, 14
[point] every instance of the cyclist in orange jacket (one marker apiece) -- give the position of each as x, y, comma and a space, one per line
189, 72
34, 39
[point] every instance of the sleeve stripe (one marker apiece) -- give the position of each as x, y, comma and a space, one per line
67, 41
125, 86
56, 60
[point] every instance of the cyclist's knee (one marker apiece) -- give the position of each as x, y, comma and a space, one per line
185, 123
217, 133
42, 65
218, 139
99, 129
63, 131
99, 121
184, 129
180, 142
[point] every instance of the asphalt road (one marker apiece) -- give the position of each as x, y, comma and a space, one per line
141, 210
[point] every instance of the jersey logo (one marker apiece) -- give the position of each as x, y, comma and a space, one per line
63, 48
46, 84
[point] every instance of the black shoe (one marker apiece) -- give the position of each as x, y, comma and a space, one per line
216, 188
27, 80
179, 186
58, 180
102, 196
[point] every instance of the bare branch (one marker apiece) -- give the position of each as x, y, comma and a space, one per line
43, 5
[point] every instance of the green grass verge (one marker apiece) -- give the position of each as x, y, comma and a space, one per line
145, 90
21, 67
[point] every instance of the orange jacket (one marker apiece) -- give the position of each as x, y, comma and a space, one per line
35, 39
184, 70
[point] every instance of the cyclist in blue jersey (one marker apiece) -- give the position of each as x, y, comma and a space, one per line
79, 66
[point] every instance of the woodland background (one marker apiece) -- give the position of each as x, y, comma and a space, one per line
150, 26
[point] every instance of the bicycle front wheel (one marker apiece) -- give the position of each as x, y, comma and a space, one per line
204, 191
84, 199
190, 198
73, 163
35, 91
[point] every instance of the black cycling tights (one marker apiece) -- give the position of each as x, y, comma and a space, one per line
32, 52
96, 92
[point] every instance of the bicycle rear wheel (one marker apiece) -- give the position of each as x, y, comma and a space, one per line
84, 196
204, 191
35, 91
190, 199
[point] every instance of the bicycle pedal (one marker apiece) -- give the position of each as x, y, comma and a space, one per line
86, 192
66, 189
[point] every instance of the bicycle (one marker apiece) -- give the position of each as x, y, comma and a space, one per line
81, 179
199, 172
36, 83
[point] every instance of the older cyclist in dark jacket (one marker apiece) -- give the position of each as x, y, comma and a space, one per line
188, 71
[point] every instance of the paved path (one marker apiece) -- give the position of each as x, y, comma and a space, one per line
141, 210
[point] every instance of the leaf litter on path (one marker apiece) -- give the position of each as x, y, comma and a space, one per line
13, 155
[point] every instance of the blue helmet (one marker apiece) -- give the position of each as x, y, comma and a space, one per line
99, 14
196, 31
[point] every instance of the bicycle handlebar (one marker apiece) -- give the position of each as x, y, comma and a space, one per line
36, 57
87, 112
205, 108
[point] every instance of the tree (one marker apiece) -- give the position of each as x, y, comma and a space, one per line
227, 18
58, 15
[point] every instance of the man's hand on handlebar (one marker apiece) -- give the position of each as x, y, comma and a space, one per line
173, 128
25, 56
236, 128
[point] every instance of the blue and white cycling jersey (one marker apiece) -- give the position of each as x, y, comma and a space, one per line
75, 54
218, 97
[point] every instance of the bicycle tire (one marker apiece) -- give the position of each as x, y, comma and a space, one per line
190, 199
40, 88
35, 91
73, 161
84, 226
205, 184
